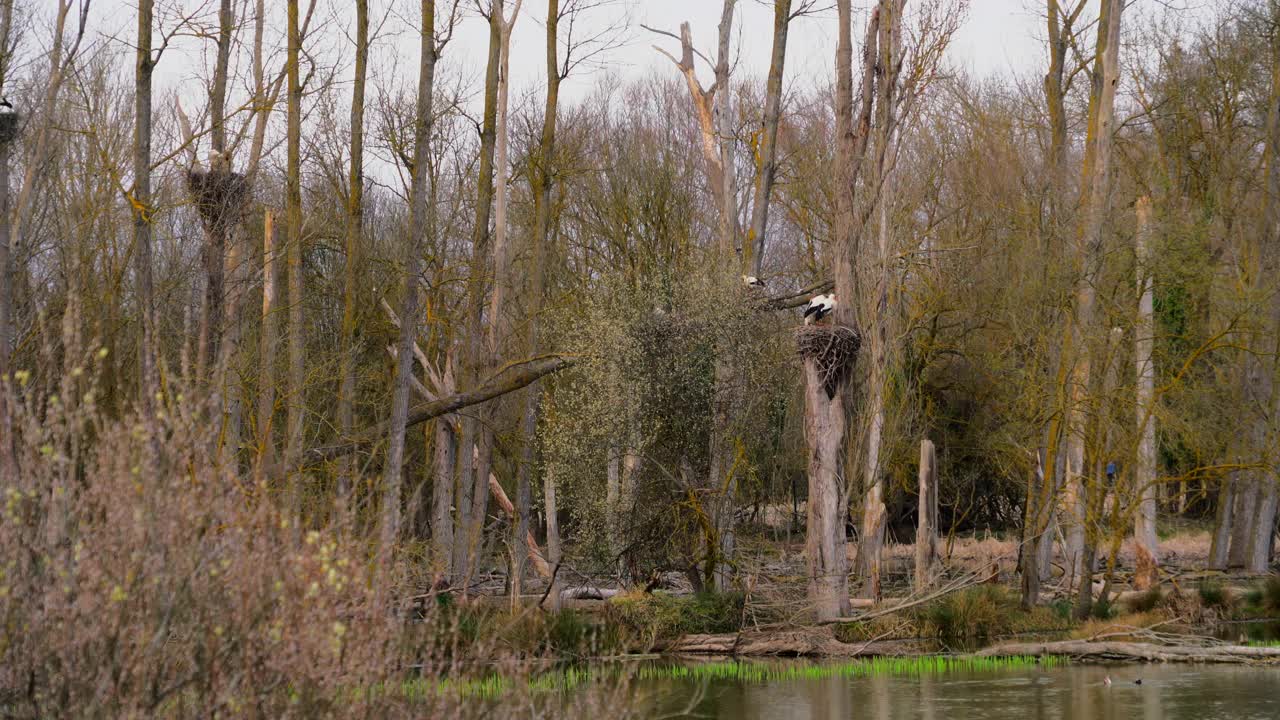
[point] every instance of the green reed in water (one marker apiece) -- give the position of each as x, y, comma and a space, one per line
868, 667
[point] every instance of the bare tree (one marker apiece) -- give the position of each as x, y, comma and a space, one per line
767, 143
1144, 529
354, 228
1096, 186
418, 223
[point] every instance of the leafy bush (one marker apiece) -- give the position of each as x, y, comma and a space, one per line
650, 618
973, 614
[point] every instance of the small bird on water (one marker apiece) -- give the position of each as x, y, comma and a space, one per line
1138, 681
1107, 681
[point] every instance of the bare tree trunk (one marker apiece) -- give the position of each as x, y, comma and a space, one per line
418, 210
1222, 522
1245, 485
444, 462
767, 164
215, 246
473, 524
293, 223
1144, 529
871, 539
141, 203
504, 281
268, 340
1258, 551
8, 458
542, 176
1095, 201
927, 515
828, 497
824, 413
553, 536
729, 229
355, 226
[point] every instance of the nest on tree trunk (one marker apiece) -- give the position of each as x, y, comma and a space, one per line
8, 127
833, 348
221, 197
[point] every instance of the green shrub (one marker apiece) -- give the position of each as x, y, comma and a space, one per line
1212, 594
972, 614
1270, 595
1102, 609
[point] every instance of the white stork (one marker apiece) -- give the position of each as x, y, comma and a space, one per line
819, 308
6, 107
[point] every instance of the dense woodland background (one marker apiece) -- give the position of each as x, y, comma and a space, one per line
473, 332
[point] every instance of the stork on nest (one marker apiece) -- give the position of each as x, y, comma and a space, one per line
221, 197
833, 348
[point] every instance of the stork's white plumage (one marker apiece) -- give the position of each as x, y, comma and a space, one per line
752, 281
819, 308
6, 107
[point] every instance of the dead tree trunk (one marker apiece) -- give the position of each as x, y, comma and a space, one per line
542, 175
927, 515
1144, 529
767, 144
268, 341
828, 492
1096, 185
354, 229
140, 202
293, 225
394, 468
8, 133
481, 434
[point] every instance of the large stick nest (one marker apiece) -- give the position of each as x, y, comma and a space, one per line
221, 197
833, 348
8, 127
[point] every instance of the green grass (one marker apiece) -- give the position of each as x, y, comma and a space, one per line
483, 688
751, 672
1264, 643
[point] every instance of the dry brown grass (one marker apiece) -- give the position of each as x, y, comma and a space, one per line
140, 578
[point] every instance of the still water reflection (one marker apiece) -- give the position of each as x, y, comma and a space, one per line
1167, 692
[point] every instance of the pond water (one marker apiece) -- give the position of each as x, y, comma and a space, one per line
1073, 692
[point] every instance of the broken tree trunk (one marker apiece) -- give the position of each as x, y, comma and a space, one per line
927, 515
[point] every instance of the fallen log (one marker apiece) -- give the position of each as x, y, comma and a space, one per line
806, 642
1138, 651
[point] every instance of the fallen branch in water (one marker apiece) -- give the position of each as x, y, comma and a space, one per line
1143, 651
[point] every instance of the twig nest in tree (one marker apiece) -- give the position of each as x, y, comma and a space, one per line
834, 348
8, 126
221, 197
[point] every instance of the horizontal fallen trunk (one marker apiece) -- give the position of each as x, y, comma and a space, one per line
806, 642
1138, 651
508, 379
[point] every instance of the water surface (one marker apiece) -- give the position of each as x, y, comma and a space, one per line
1077, 692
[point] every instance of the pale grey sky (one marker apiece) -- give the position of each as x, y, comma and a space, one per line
997, 36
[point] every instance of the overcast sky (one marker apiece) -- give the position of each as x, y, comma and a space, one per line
997, 36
